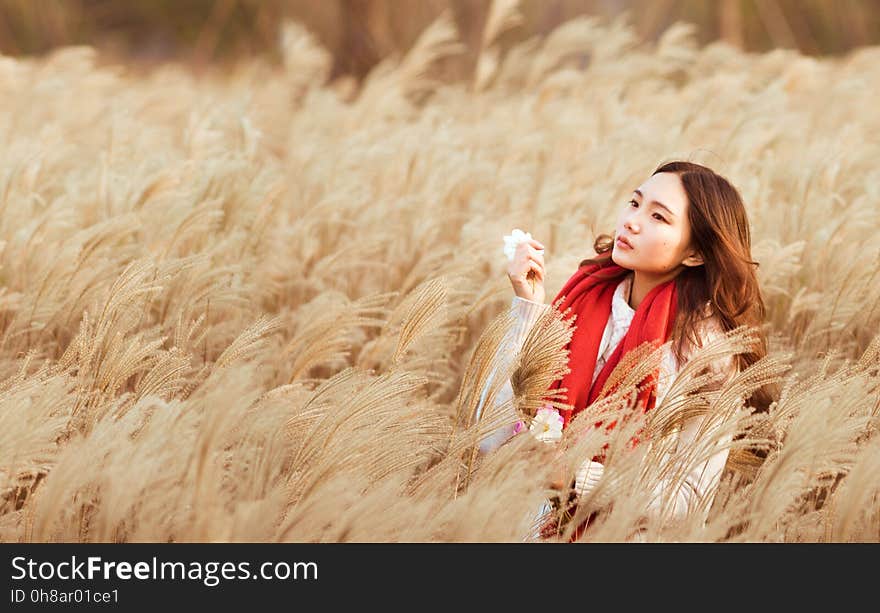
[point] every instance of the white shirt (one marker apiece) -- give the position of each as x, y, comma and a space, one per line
617, 326
702, 480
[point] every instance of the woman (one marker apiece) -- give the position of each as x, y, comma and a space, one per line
679, 268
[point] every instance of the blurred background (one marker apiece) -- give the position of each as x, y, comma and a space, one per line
360, 33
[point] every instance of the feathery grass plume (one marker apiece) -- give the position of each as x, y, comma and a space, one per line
621, 494
635, 366
266, 213
34, 413
306, 62
466, 430
315, 404
411, 78
249, 341
194, 284
853, 507
693, 393
479, 368
843, 312
439, 40
504, 15
350, 257
869, 362
168, 375
819, 443
105, 354
703, 373
582, 41
159, 184
135, 490
575, 37
672, 463
542, 360
183, 339
360, 409
47, 290
325, 327
676, 50
779, 264
515, 70
203, 219
417, 314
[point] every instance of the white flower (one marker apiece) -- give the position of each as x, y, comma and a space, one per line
547, 425
513, 239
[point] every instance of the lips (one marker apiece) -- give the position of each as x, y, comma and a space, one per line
623, 242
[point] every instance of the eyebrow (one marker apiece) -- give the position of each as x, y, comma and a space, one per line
657, 202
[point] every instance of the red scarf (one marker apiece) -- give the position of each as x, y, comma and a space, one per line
588, 293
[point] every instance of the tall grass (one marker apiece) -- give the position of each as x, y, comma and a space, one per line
247, 306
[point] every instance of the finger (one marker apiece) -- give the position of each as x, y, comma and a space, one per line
537, 254
530, 247
531, 256
539, 271
526, 269
537, 259
536, 244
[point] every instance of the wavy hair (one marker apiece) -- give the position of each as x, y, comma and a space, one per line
727, 278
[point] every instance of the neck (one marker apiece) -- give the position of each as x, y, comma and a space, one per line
643, 283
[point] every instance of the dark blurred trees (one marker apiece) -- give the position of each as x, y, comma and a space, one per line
359, 33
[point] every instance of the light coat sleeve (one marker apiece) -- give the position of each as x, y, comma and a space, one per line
697, 488
525, 313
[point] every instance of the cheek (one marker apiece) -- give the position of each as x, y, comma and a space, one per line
667, 239
659, 244
661, 251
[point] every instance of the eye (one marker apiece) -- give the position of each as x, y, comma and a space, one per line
656, 216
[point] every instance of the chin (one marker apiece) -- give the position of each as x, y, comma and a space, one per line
620, 261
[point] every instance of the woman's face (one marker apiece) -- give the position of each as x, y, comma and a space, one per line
654, 221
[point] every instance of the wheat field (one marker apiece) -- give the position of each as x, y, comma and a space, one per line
251, 305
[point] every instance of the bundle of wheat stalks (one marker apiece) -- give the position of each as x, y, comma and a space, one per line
255, 306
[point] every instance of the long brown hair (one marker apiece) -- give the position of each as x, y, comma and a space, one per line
726, 279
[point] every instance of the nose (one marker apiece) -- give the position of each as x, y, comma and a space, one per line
633, 218
631, 224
